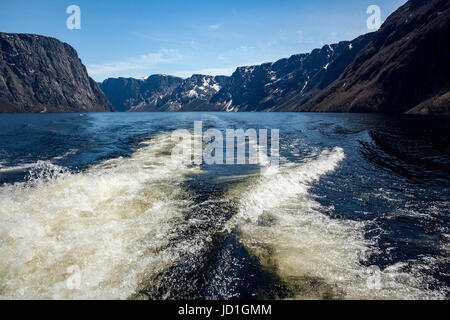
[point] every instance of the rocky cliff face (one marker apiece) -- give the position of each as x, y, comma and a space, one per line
405, 68
275, 86
163, 93
194, 93
281, 85
41, 74
128, 94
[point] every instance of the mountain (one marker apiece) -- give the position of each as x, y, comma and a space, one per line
402, 68
266, 87
327, 75
194, 93
405, 68
128, 94
42, 74
163, 93
273, 86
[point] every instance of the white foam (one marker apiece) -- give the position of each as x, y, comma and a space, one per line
275, 187
110, 221
18, 168
114, 221
65, 155
318, 257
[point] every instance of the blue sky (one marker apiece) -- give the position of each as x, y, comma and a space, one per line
181, 37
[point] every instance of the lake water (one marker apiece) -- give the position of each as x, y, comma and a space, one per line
94, 206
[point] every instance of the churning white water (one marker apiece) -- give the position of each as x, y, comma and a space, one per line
317, 257
94, 234
105, 232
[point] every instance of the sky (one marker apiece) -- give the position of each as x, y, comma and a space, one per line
184, 37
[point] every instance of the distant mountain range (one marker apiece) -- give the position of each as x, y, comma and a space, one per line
402, 68
266, 87
277, 86
163, 93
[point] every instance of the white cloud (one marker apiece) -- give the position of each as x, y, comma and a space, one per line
283, 35
131, 65
239, 53
228, 71
244, 49
190, 43
334, 36
215, 26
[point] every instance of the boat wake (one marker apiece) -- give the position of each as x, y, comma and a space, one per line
130, 227
110, 222
314, 255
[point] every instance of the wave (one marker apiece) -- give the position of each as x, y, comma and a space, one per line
314, 255
35, 165
129, 228
19, 168
65, 155
106, 227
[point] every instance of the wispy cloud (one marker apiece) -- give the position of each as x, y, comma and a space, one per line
301, 38
219, 71
215, 26
190, 43
227, 71
334, 36
131, 65
284, 35
238, 52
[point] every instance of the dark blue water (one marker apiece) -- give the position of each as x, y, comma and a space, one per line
358, 209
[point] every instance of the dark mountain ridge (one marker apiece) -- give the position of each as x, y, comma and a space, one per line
405, 68
263, 87
129, 94
162, 92
402, 68
42, 74
271, 86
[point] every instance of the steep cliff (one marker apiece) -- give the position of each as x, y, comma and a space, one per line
42, 74
286, 83
402, 68
405, 68
278, 86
